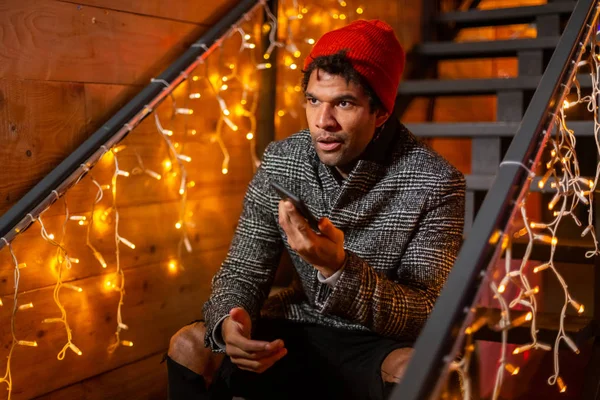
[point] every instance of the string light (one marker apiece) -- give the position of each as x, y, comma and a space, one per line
93, 221
571, 190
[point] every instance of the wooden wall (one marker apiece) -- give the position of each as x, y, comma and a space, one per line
65, 67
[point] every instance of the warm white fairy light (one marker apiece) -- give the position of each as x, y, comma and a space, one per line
571, 190
7, 378
62, 260
120, 286
248, 104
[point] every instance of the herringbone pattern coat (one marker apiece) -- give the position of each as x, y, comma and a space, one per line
402, 213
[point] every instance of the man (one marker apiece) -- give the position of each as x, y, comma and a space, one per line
391, 225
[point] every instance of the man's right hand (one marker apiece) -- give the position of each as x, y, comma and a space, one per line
248, 354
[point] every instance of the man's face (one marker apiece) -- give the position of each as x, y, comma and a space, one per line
339, 117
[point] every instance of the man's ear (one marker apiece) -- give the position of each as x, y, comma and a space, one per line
381, 116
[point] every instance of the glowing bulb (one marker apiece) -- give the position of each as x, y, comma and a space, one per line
335, 16
51, 320
73, 287
297, 88
226, 112
579, 307
105, 187
541, 268
266, 56
224, 171
224, 87
82, 223
185, 111
310, 41
250, 45
342, 16
304, 10
359, 10
178, 225
22, 265
172, 266
75, 349
167, 164
561, 385
565, 104
264, 66
529, 315
191, 184
300, 16
249, 136
127, 343
501, 288
27, 343
100, 259
281, 113
230, 123
512, 369
51, 236
342, 3
153, 174
297, 53
168, 132
127, 243
231, 66
195, 95
193, 131
184, 158
195, 78
77, 218
25, 306
74, 260
224, 79
247, 37
521, 349
123, 173
243, 102
293, 66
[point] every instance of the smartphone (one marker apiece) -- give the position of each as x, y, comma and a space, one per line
286, 194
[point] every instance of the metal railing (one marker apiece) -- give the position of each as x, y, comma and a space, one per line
61, 178
439, 340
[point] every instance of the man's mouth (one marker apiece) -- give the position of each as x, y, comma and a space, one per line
329, 144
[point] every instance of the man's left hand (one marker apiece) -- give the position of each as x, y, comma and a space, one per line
324, 251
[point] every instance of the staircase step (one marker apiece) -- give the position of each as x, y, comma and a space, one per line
484, 49
484, 129
449, 87
505, 16
484, 182
579, 328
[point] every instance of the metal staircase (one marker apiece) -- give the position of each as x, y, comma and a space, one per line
490, 142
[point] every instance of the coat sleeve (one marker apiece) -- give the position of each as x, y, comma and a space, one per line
247, 273
400, 308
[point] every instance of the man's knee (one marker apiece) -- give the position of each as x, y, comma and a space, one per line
394, 365
187, 348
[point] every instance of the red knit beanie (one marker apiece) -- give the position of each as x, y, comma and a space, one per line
374, 51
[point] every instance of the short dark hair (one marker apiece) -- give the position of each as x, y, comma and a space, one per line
339, 64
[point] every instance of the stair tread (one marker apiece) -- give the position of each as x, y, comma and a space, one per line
505, 16
483, 49
484, 129
547, 324
440, 87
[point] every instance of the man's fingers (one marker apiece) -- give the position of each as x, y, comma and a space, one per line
259, 365
247, 345
271, 348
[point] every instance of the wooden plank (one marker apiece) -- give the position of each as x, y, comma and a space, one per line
150, 227
157, 304
35, 133
49, 40
144, 379
205, 13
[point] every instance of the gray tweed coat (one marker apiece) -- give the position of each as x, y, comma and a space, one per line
401, 211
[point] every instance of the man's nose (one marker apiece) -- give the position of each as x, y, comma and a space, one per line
325, 118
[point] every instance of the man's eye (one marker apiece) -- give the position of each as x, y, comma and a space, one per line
312, 100
345, 104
